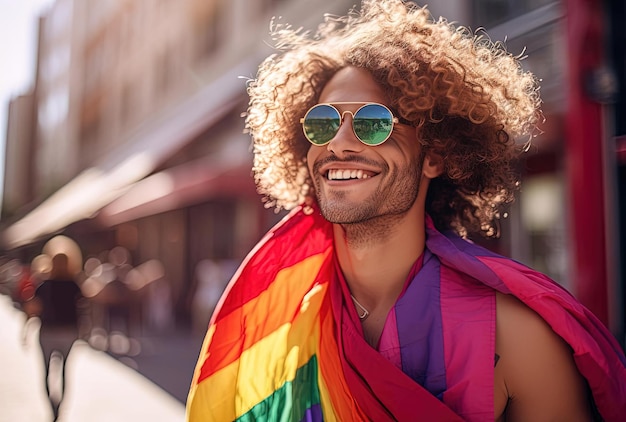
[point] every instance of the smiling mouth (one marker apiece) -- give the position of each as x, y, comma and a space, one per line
348, 174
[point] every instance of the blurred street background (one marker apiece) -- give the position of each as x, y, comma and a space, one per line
125, 151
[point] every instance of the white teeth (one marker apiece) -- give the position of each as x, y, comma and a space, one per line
346, 174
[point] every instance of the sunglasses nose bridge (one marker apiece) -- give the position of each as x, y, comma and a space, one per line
345, 125
345, 139
350, 125
343, 115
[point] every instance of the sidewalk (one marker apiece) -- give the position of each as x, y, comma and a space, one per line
22, 393
103, 389
99, 388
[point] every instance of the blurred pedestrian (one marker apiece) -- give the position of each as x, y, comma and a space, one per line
58, 301
393, 136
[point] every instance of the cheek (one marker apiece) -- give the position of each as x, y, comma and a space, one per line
402, 153
412, 152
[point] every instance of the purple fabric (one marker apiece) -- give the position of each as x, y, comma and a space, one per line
462, 255
382, 390
598, 356
420, 331
313, 414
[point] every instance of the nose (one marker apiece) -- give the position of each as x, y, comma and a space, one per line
345, 141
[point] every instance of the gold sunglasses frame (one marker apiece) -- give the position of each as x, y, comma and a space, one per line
394, 120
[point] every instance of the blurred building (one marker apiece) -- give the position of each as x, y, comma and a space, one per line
137, 144
138, 141
18, 166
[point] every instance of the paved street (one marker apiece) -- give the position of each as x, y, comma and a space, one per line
100, 388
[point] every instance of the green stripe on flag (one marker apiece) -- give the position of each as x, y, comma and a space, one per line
290, 401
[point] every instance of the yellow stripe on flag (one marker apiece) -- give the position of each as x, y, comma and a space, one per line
262, 369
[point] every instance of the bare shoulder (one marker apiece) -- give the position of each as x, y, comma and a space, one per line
535, 377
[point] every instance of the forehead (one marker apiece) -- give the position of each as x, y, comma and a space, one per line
352, 84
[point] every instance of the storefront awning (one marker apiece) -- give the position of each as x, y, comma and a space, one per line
181, 186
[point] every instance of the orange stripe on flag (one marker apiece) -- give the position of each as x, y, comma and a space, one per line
261, 316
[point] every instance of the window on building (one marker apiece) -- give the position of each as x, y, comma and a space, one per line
544, 225
164, 68
208, 27
270, 6
126, 104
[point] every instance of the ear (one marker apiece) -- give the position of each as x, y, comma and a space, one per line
432, 166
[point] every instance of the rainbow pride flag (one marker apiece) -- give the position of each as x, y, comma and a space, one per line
260, 358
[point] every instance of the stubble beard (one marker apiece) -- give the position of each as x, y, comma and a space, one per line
375, 218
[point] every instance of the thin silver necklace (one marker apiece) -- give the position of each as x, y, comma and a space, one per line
365, 312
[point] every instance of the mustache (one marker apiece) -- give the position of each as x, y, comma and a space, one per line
356, 159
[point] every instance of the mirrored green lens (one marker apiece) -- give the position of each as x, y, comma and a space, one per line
373, 124
321, 124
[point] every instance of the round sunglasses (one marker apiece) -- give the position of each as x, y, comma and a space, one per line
372, 123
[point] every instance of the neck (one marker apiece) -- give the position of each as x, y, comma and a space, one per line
376, 256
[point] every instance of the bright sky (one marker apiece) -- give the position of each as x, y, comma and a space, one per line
18, 40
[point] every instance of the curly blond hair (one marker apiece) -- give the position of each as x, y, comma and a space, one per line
469, 98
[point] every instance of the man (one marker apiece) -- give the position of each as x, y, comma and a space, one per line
381, 131
58, 299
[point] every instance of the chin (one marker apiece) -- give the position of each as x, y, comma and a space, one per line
345, 214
